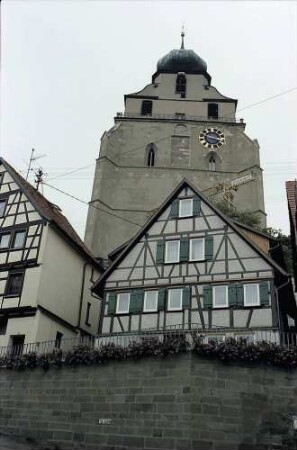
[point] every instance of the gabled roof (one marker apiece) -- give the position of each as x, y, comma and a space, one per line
50, 212
184, 183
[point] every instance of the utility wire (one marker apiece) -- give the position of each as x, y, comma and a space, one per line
91, 205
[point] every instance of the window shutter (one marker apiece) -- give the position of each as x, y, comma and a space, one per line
174, 209
112, 301
136, 302
160, 252
264, 293
207, 297
239, 295
184, 250
161, 299
196, 206
187, 297
209, 248
232, 295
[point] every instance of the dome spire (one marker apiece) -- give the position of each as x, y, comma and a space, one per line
182, 38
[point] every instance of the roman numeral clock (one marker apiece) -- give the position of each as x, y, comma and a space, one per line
212, 138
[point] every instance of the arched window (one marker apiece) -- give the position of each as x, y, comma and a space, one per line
146, 108
212, 163
151, 155
181, 84
213, 111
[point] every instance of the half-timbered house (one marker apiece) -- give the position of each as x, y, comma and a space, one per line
46, 271
190, 266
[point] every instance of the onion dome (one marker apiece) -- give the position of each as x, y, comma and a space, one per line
181, 60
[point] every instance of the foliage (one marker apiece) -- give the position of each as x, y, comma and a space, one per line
87, 356
253, 220
242, 351
286, 244
228, 351
246, 217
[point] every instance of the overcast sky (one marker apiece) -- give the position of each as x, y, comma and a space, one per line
66, 66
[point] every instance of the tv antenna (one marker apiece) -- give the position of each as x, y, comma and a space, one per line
32, 159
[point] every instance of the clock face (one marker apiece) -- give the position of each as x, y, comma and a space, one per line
212, 138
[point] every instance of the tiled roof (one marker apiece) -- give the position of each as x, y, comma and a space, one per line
50, 212
291, 188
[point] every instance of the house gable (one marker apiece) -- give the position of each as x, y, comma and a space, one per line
207, 251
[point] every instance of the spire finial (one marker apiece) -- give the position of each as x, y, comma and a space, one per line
182, 36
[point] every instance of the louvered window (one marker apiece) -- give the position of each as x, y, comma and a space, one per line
146, 108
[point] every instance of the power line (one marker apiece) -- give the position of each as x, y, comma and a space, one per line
91, 205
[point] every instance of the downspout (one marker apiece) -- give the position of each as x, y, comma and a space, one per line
277, 296
82, 294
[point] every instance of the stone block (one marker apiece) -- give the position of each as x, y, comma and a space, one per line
157, 443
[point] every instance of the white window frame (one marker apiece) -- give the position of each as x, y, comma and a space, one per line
179, 210
117, 308
166, 251
145, 309
244, 294
214, 297
169, 308
191, 245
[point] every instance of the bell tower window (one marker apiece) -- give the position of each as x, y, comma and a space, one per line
181, 84
146, 108
150, 155
212, 164
213, 111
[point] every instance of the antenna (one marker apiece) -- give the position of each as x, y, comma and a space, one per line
32, 158
39, 178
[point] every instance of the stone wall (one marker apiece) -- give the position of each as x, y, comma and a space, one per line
181, 403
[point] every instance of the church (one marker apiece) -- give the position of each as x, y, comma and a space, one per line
178, 126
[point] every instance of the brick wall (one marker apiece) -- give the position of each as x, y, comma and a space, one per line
181, 403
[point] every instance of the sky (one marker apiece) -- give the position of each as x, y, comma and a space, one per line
66, 65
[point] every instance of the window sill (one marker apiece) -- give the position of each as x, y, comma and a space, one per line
11, 295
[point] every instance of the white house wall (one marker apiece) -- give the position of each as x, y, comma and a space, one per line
62, 281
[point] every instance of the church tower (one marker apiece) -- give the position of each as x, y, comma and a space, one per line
178, 126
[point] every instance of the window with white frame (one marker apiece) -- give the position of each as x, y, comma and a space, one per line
186, 207
251, 294
150, 301
123, 303
220, 296
175, 300
4, 240
19, 239
196, 249
172, 251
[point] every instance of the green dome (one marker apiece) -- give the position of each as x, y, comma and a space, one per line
181, 60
